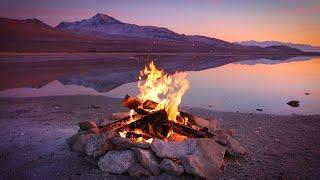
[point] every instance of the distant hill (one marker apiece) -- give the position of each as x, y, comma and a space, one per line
102, 33
102, 26
302, 47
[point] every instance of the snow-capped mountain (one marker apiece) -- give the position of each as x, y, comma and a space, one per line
102, 25
302, 47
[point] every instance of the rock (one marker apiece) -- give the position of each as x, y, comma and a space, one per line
294, 103
122, 143
91, 160
136, 170
71, 140
143, 145
116, 161
201, 157
171, 167
119, 115
90, 131
164, 176
213, 125
173, 149
221, 137
231, 132
147, 159
200, 121
103, 149
81, 142
234, 148
99, 144
87, 125
207, 161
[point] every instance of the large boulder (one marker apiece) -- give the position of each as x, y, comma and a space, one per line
207, 161
147, 159
171, 167
116, 161
201, 157
99, 144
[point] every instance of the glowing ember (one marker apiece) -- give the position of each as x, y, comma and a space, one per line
165, 89
123, 134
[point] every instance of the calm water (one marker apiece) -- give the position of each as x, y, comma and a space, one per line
243, 86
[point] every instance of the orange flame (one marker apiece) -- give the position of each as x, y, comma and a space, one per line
165, 89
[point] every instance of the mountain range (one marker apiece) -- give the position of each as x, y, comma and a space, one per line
102, 33
302, 47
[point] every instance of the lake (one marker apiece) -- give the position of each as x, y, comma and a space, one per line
242, 86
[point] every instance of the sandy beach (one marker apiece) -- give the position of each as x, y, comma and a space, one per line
34, 132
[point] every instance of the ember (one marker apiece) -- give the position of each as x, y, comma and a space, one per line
155, 129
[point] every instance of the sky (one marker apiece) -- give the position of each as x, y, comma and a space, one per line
295, 21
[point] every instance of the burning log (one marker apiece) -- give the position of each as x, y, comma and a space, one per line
189, 132
131, 102
134, 103
144, 121
133, 135
121, 123
148, 104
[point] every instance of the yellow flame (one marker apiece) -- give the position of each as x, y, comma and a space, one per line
165, 89
123, 134
149, 140
131, 113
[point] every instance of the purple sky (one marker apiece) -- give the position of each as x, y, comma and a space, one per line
294, 21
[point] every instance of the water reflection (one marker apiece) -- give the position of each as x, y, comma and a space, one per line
242, 86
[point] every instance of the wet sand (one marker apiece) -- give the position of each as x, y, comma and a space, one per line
34, 131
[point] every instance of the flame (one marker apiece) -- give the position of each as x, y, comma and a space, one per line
123, 134
165, 89
131, 113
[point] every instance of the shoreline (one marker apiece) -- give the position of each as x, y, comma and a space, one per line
34, 131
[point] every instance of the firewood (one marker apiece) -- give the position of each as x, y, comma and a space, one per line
148, 104
121, 123
189, 132
144, 121
134, 135
131, 102
134, 103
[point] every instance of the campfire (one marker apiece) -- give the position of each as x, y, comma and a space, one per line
154, 136
155, 113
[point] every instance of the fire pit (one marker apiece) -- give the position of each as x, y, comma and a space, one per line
154, 137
